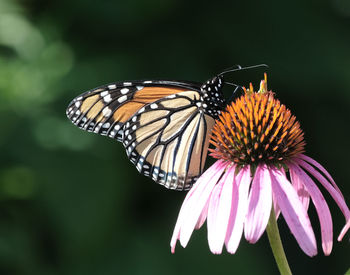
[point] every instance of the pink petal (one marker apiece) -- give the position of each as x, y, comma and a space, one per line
293, 212
182, 213
260, 202
202, 217
212, 218
321, 206
337, 196
219, 211
275, 206
238, 210
300, 188
344, 230
274, 201
233, 214
322, 169
179, 222
195, 205
190, 199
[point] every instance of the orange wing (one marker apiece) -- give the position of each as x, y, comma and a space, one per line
105, 110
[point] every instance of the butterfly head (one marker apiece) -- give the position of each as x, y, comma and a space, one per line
212, 97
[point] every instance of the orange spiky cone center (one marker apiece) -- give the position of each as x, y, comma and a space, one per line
257, 128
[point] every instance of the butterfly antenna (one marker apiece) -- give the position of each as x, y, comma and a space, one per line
233, 84
235, 90
240, 68
234, 67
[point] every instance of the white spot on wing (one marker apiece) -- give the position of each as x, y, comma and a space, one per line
104, 93
107, 98
106, 111
154, 106
122, 99
113, 86
124, 91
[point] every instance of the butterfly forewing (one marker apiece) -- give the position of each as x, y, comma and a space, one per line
95, 111
105, 110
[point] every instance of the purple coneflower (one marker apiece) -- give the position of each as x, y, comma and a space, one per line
261, 169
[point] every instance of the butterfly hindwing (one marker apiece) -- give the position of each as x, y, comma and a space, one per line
168, 140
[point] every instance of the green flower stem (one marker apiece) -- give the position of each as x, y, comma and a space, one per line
276, 245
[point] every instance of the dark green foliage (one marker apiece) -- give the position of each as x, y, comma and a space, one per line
71, 202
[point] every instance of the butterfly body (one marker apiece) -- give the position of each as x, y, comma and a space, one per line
163, 125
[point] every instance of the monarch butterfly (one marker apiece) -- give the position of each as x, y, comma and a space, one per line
164, 125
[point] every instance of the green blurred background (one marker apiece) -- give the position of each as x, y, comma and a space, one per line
71, 202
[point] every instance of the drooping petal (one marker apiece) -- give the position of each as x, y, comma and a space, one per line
212, 218
337, 196
176, 232
190, 199
322, 169
260, 202
219, 211
203, 216
293, 212
344, 230
321, 206
238, 209
233, 215
195, 205
179, 222
182, 214
275, 206
300, 188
